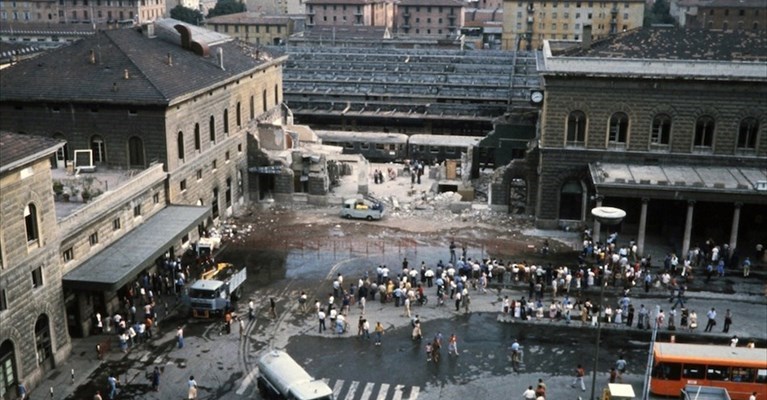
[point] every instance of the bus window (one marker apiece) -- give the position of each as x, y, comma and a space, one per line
364, 146
694, 371
668, 371
421, 148
434, 149
349, 145
450, 150
761, 376
717, 373
742, 374
379, 146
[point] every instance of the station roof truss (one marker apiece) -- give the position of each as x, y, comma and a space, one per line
406, 83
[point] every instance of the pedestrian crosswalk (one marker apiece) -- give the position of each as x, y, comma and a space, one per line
355, 390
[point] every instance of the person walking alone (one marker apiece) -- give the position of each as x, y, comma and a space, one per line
579, 374
321, 318
272, 308
156, 379
711, 314
379, 330
191, 385
727, 321
452, 345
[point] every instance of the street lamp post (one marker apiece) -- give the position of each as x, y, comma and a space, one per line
605, 216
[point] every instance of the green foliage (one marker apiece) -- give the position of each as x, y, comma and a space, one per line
187, 15
658, 14
225, 7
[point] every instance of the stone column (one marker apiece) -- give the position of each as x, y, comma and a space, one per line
597, 224
642, 227
687, 228
735, 226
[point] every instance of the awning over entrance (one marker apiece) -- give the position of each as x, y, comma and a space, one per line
116, 265
682, 182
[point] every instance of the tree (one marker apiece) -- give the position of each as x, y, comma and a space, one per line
187, 15
658, 14
225, 7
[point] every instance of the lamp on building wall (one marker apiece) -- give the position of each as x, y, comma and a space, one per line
605, 216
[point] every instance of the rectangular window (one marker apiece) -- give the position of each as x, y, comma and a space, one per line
3, 300
182, 185
199, 174
156, 198
239, 147
137, 210
37, 277
215, 164
116, 224
93, 239
226, 156
68, 255
694, 371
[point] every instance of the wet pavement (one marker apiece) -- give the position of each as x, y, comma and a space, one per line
224, 364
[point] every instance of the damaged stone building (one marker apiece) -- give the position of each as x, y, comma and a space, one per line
147, 132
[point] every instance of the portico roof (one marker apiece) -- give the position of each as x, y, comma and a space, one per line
682, 182
119, 263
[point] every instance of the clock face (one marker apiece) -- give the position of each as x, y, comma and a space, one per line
536, 97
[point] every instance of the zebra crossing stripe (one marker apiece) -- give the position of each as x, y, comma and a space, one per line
368, 391
383, 391
337, 388
414, 393
398, 392
352, 390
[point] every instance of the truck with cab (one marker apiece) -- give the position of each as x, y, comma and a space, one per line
213, 293
281, 377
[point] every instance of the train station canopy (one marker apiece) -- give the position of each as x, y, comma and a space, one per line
680, 182
121, 261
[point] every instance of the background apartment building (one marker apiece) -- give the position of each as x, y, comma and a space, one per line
254, 27
526, 24
430, 18
741, 15
344, 13
99, 12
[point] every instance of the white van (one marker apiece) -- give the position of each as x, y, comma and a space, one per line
363, 208
281, 377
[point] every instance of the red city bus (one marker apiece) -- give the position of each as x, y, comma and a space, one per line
740, 370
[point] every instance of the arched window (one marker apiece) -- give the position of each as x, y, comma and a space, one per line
576, 128
276, 94
756, 26
704, 132
43, 342
30, 222
97, 148
252, 108
725, 26
239, 115
180, 145
661, 130
263, 100
749, 129
8, 372
571, 200
197, 137
136, 152
212, 128
226, 120
619, 128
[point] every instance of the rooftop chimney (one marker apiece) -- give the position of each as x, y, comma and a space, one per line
114, 86
126, 74
586, 39
170, 60
221, 58
92, 57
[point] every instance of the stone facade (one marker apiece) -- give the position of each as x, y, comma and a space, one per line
32, 319
688, 112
